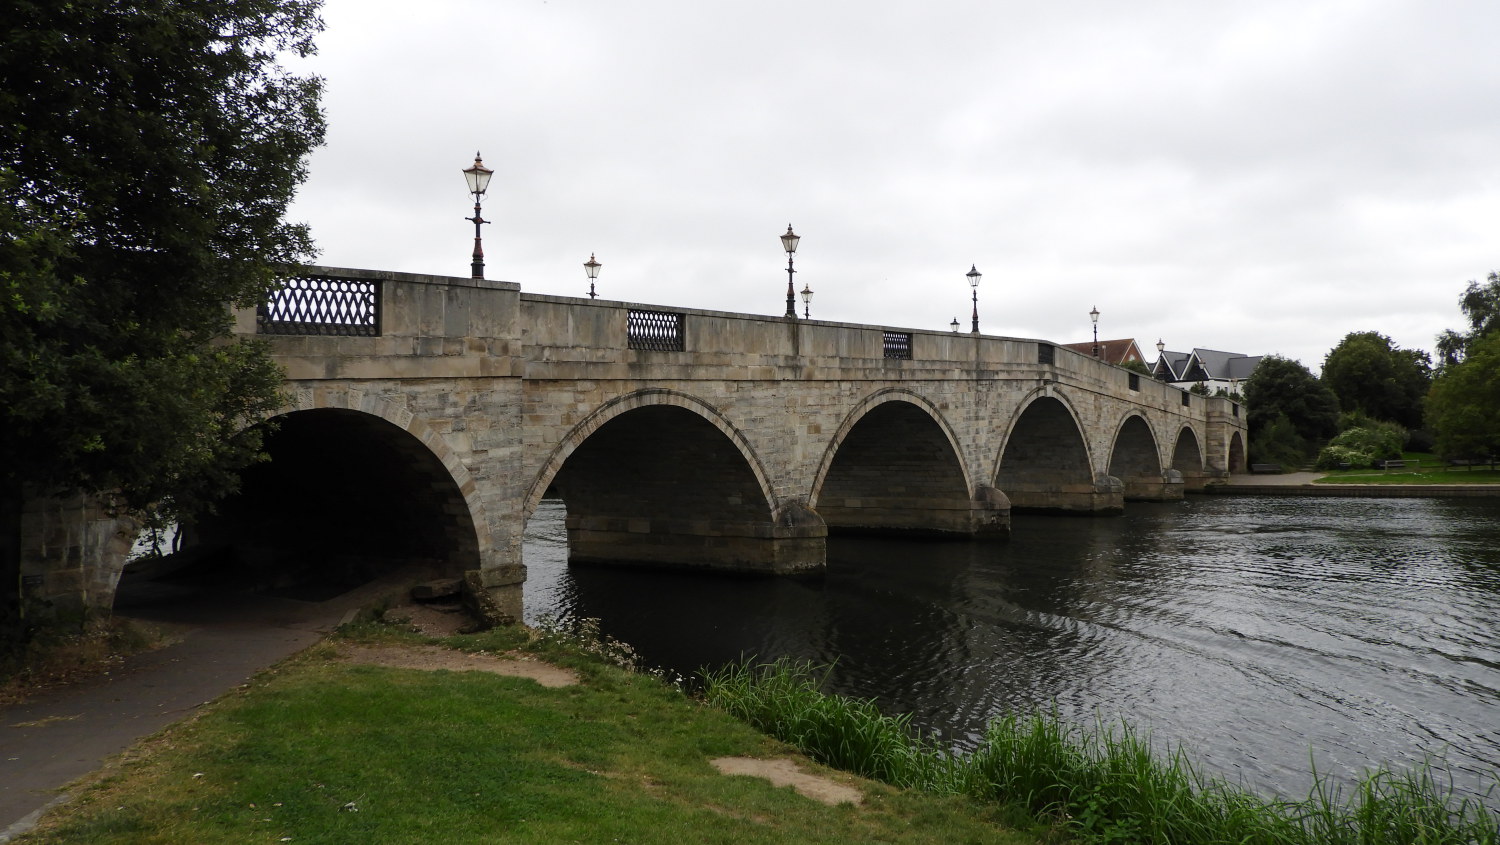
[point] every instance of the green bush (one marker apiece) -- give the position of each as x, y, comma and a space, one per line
1334, 457
1361, 446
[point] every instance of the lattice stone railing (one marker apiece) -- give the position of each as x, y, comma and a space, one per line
322, 305
660, 331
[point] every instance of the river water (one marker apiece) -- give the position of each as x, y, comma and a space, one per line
1264, 635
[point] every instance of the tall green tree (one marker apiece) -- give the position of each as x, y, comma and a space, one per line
1290, 413
148, 151
1370, 374
1463, 407
1480, 305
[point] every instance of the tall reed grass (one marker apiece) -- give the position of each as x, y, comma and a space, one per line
1104, 785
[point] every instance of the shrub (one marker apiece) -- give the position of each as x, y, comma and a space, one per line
1334, 457
1377, 439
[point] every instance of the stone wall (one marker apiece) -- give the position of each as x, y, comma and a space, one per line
740, 449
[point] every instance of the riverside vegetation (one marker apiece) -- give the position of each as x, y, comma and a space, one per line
1106, 785
321, 750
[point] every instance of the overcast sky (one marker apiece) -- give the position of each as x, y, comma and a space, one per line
1258, 177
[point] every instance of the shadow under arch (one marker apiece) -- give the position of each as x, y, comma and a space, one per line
1135, 458
1045, 465
895, 467
346, 496
660, 478
1235, 454
1187, 459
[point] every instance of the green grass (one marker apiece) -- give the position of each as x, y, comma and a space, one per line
1430, 469
1104, 785
321, 751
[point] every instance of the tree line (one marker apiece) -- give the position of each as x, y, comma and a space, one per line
1375, 399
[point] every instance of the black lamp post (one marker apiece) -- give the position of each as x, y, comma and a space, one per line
1094, 315
974, 276
478, 178
592, 268
807, 293
954, 325
1161, 355
789, 243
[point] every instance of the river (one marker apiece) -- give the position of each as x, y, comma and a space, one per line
1263, 635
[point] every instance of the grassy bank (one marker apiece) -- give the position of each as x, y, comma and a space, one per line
1421, 468
323, 750
1105, 785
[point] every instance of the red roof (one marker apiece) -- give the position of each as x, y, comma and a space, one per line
1110, 351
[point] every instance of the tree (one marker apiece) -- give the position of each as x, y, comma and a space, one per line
1464, 405
1481, 307
1371, 375
148, 151
1289, 412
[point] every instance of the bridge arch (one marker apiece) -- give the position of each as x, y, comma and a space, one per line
1235, 453
1044, 462
895, 466
1188, 459
356, 486
661, 478
1135, 459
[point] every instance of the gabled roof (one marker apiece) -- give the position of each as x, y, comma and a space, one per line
1172, 364
1110, 351
1205, 365
1225, 366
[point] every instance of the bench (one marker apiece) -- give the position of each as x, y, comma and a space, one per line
1392, 464
1265, 469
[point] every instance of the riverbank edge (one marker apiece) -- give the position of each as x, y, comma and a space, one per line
1360, 491
605, 670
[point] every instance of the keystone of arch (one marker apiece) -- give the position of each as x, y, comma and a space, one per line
640, 399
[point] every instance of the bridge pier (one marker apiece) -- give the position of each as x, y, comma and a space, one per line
984, 516
1104, 497
794, 543
1167, 487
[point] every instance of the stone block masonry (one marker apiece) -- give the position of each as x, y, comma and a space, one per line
740, 451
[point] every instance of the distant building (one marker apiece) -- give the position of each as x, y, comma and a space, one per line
1111, 351
1210, 367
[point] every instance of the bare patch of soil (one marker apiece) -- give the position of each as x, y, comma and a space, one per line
783, 772
432, 658
432, 619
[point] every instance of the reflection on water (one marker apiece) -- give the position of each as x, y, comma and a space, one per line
1259, 633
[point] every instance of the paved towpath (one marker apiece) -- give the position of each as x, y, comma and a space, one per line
56, 738
1284, 479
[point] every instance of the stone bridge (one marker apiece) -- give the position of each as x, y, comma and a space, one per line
428, 416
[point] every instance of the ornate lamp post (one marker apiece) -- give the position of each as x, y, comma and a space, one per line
478, 178
974, 276
1161, 355
592, 268
954, 325
1094, 315
807, 293
789, 243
